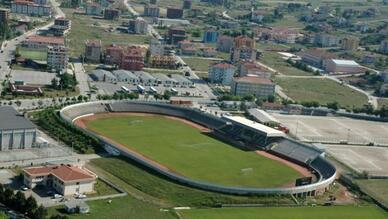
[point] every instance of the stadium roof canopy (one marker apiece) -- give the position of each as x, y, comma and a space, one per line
10, 119
268, 131
262, 116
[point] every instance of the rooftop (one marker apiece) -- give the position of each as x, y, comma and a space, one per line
253, 80
10, 119
223, 65
65, 173
46, 39
270, 132
345, 62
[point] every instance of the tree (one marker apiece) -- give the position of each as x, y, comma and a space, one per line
54, 83
39, 213
30, 205
19, 202
58, 216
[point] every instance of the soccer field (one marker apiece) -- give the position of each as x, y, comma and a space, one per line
187, 151
337, 212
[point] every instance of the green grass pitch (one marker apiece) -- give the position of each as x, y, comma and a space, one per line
331, 212
189, 152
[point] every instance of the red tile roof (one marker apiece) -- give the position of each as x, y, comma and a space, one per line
46, 39
223, 65
65, 173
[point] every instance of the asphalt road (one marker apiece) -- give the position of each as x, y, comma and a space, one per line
82, 78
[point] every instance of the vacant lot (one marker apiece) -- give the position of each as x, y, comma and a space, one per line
337, 212
186, 150
199, 64
275, 61
85, 27
321, 90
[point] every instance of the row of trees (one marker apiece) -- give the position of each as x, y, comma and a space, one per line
302, 66
49, 120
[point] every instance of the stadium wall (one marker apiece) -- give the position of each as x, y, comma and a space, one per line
70, 113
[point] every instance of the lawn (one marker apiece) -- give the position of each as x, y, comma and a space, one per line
85, 27
33, 54
147, 185
275, 61
199, 64
187, 151
337, 212
322, 90
377, 188
382, 102
120, 208
101, 188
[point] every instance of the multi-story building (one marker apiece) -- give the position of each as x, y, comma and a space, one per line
350, 43
163, 61
57, 58
250, 85
67, 180
151, 10
93, 51
210, 36
317, 57
221, 73
174, 13
187, 4
111, 14
16, 132
277, 34
61, 26
224, 43
258, 15
243, 49
30, 8
250, 68
94, 9
384, 47
41, 42
128, 58
4, 15
326, 40
175, 35
138, 26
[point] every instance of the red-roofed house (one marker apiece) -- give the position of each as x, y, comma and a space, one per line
252, 68
128, 58
65, 179
250, 85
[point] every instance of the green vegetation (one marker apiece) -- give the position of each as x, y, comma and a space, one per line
101, 188
274, 60
37, 55
152, 187
323, 91
50, 121
85, 27
199, 64
376, 188
332, 212
187, 151
124, 207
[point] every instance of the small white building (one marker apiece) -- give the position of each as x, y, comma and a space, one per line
65, 179
343, 66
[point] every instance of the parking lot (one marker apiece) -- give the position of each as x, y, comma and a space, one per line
335, 129
372, 160
33, 77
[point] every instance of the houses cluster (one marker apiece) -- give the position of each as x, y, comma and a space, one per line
103, 9
31, 7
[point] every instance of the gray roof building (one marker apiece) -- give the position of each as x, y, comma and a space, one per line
145, 77
182, 80
10, 119
126, 76
164, 79
102, 75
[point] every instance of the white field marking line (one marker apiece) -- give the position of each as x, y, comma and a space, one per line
359, 132
384, 127
195, 145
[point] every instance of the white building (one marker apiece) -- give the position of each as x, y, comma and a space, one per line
222, 73
250, 85
343, 66
16, 132
67, 180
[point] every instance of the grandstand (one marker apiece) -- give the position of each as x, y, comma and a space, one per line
238, 128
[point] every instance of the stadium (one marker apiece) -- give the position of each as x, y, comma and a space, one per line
201, 165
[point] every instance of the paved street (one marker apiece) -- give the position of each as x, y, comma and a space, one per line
82, 78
